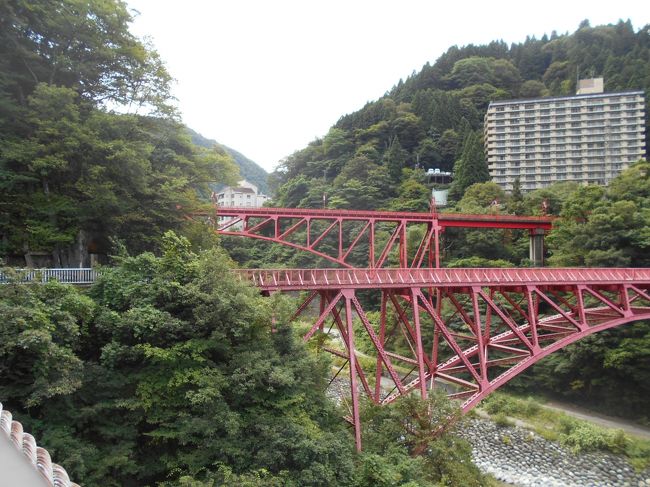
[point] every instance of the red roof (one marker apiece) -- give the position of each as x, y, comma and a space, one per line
39, 457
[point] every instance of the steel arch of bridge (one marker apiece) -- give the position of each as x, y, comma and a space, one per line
466, 330
337, 235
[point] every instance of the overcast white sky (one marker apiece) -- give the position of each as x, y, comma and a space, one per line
267, 77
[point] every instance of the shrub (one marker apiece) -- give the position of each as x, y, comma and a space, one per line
582, 436
501, 420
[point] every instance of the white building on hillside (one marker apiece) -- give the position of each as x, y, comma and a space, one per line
588, 138
245, 194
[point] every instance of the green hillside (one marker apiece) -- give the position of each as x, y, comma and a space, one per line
248, 169
375, 158
434, 118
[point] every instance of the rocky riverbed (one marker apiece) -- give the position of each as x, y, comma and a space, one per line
520, 457
517, 456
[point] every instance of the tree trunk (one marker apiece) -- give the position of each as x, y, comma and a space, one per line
29, 262
56, 256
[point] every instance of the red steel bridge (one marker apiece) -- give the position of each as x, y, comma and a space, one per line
467, 331
340, 236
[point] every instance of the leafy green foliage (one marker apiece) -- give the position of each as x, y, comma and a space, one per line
404, 445
606, 227
582, 436
170, 369
85, 46
40, 339
471, 168
72, 173
554, 425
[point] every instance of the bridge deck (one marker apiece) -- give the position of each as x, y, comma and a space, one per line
303, 279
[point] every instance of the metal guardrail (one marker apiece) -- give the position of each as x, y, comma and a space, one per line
79, 276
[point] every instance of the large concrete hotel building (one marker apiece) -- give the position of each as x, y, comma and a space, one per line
588, 138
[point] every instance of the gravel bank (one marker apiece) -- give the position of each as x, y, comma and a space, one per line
520, 457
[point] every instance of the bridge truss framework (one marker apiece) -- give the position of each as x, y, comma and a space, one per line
468, 331
355, 239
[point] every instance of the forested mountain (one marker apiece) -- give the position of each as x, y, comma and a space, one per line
375, 158
434, 118
90, 148
249, 170
172, 372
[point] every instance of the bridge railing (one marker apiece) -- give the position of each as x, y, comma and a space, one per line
337, 278
79, 276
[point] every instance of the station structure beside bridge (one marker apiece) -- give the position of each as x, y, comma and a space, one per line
466, 331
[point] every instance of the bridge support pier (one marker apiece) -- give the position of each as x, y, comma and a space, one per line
537, 247
348, 294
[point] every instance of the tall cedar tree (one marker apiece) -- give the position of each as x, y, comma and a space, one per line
471, 168
395, 159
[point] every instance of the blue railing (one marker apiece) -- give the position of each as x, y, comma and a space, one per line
79, 276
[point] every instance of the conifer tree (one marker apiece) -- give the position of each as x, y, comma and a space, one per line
471, 168
395, 158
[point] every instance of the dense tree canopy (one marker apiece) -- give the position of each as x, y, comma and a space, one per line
171, 372
73, 173
140, 384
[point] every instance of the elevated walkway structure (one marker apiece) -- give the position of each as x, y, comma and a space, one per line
467, 330
83, 276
